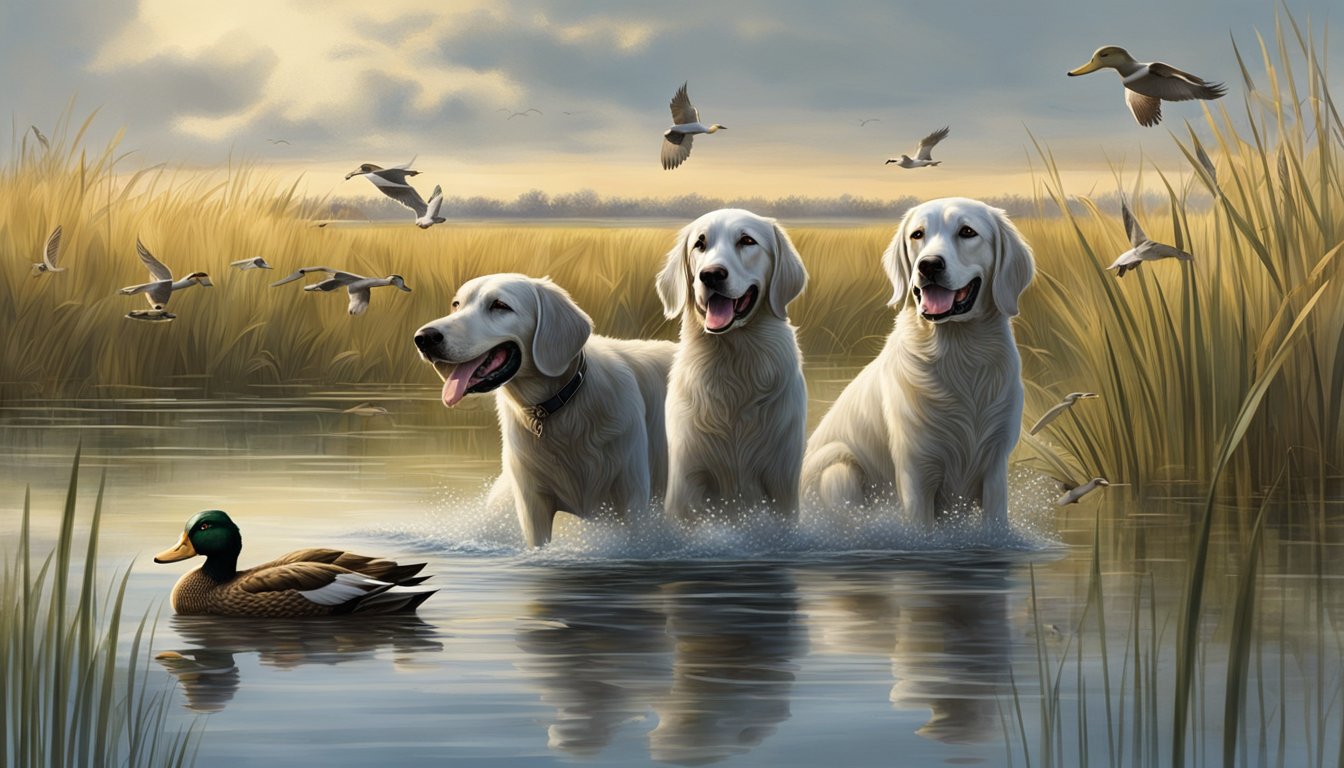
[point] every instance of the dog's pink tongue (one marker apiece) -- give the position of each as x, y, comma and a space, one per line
718, 312
455, 383
935, 299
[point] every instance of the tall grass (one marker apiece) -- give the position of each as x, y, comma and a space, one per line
64, 700
1171, 348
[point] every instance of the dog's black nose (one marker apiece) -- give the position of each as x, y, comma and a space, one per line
427, 338
713, 275
930, 265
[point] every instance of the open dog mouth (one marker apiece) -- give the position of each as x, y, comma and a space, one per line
937, 303
482, 374
721, 311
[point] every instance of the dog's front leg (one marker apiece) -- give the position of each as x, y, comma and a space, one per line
918, 498
536, 515
994, 495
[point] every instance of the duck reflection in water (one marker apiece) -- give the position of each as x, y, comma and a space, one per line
207, 669
710, 649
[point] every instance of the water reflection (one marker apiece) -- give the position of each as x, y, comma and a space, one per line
710, 649
946, 630
210, 676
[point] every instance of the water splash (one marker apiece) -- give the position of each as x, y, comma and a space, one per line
466, 524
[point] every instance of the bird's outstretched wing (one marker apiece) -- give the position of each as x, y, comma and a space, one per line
927, 143
1132, 228
1147, 109
337, 280
306, 270
676, 148
157, 292
1173, 84
682, 110
1048, 417
156, 268
401, 192
53, 248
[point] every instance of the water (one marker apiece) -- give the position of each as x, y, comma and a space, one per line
852, 641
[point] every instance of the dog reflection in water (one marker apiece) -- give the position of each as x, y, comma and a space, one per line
208, 671
948, 637
711, 653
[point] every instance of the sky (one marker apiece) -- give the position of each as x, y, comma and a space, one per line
194, 84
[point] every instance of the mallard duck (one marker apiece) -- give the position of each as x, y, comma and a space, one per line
358, 287
162, 287
923, 153
50, 254
1059, 408
307, 582
1148, 85
685, 125
1144, 249
1073, 494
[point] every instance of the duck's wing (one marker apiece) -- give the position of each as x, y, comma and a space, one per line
53, 248
682, 110
676, 148
1172, 84
377, 567
1156, 251
337, 280
927, 143
157, 292
359, 298
1147, 109
303, 271
1132, 228
331, 585
397, 189
1048, 417
435, 204
156, 268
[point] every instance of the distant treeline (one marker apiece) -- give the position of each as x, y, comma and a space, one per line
587, 204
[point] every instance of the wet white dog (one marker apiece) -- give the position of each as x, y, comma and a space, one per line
936, 415
581, 416
736, 401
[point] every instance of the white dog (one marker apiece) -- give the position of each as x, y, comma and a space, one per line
736, 401
935, 416
581, 416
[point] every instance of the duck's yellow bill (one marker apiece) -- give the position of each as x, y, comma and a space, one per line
182, 551
1091, 66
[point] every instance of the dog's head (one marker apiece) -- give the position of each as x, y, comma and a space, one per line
959, 260
724, 263
501, 326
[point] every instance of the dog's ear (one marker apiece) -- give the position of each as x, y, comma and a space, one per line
562, 328
673, 280
789, 276
896, 260
1013, 264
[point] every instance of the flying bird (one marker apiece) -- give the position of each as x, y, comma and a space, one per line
924, 154
50, 254
392, 182
358, 287
1072, 495
1148, 85
685, 125
1144, 249
1060, 408
869, 120
431, 216
162, 285
40, 138
524, 113
278, 141
256, 262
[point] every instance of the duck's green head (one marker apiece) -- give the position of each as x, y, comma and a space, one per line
208, 533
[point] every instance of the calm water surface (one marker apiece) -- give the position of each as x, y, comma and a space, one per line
844, 642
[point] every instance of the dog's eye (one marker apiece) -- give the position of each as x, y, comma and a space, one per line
501, 306
918, 234
699, 244
456, 304
966, 232
745, 241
